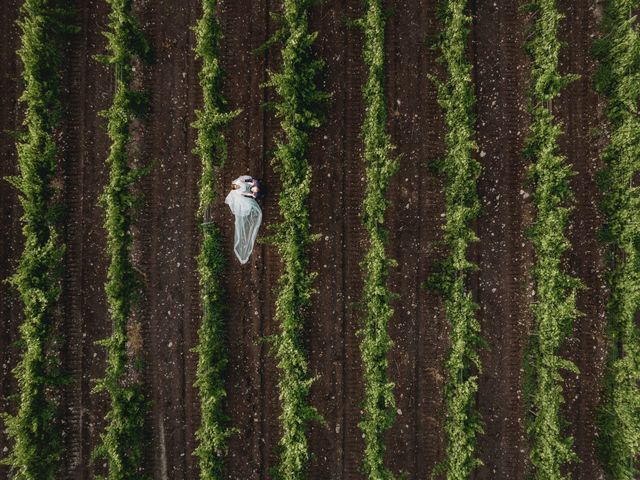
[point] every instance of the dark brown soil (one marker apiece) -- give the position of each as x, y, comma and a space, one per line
504, 255
11, 238
168, 238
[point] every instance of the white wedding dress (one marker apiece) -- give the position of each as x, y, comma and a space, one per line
248, 218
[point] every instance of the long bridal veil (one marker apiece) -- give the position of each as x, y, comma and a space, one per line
248, 219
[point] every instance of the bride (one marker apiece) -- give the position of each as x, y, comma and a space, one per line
242, 202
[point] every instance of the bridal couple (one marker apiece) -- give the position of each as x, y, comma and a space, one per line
242, 202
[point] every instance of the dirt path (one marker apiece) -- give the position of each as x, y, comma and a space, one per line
168, 238
249, 287
503, 254
335, 216
74, 170
89, 87
415, 443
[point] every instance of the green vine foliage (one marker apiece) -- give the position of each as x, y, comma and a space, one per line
35, 428
555, 307
460, 171
121, 443
298, 110
618, 80
379, 406
211, 147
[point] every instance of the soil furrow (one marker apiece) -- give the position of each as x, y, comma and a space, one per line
326, 156
192, 309
98, 92
503, 251
149, 142
74, 154
353, 245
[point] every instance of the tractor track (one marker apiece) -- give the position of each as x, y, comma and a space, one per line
147, 243
353, 244
269, 267
416, 193
504, 254
97, 91
192, 316
75, 158
326, 357
417, 328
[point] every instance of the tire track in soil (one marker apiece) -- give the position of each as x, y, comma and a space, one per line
404, 229
353, 244
150, 139
98, 93
73, 99
581, 109
326, 203
504, 256
248, 287
192, 308
432, 326
10, 211
269, 262
170, 196
415, 442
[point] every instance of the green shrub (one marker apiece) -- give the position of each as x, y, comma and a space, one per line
211, 147
618, 80
121, 444
36, 427
460, 171
555, 306
379, 406
297, 109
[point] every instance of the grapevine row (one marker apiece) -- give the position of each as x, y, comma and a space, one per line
554, 309
297, 110
460, 171
211, 147
121, 444
618, 80
35, 428
379, 408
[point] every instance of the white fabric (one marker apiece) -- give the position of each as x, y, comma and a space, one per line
248, 218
